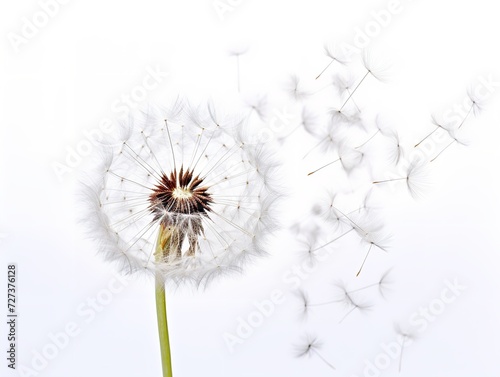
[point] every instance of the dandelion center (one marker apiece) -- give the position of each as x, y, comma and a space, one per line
180, 193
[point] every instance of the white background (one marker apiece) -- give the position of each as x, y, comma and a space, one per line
67, 77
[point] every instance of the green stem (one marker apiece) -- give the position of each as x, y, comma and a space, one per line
162, 248
161, 312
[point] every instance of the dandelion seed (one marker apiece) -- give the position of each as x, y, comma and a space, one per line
344, 116
295, 88
310, 346
455, 140
334, 240
304, 302
438, 126
373, 239
348, 157
237, 52
309, 120
343, 83
475, 107
258, 105
334, 215
351, 303
382, 284
372, 69
396, 151
406, 336
331, 214
368, 140
307, 248
414, 179
335, 56
329, 140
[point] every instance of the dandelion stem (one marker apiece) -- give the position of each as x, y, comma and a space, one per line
161, 310
389, 180
364, 260
401, 355
329, 64
466, 116
354, 91
322, 358
354, 102
445, 148
238, 72
366, 142
324, 166
335, 239
349, 312
293, 131
425, 138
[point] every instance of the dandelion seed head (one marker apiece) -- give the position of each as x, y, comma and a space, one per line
308, 345
181, 195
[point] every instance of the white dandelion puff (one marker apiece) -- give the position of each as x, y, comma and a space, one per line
348, 157
181, 196
310, 346
415, 179
438, 125
374, 69
351, 303
335, 55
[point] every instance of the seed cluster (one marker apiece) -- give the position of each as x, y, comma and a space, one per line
180, 193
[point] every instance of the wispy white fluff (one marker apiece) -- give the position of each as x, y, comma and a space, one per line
155, 141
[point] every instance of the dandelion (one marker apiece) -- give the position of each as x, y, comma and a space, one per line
344, 83
342, 234
380, 130
258, 105
304, 300
237, 52
406, 336
309, 120
348, 157
438, 126
295, 88
372, 69
308, 251
351, 303
414, 179
306, 304
396, 150
382, 284
373, 239
310, 346
335, 56
455, 139
329, 139
474, 108
185, 201
344, 116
